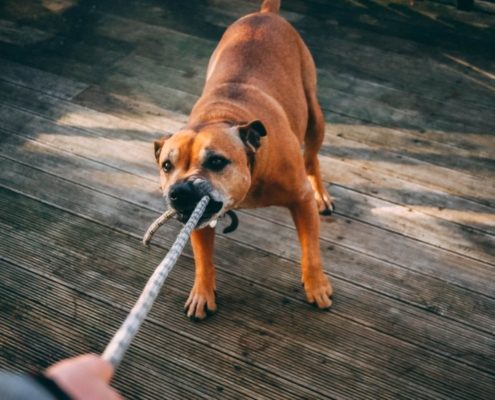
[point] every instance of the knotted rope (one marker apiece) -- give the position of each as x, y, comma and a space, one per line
155, 225
121, 341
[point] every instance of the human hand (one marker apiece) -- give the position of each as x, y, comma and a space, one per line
85, 377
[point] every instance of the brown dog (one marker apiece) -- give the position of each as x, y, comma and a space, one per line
242, 146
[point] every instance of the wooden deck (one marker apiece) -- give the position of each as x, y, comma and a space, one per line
409, 96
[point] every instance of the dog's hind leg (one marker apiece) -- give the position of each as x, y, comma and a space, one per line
312, 143
313, 139
317, 286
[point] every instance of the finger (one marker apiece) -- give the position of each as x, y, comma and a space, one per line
88, 364
99, 367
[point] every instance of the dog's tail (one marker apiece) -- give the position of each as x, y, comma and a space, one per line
272, 6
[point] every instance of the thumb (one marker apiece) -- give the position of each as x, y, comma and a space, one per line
98, 366
88, 364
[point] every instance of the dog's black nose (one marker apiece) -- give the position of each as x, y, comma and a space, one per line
184, 196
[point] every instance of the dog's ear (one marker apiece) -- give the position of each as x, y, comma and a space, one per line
159, 144
251, 134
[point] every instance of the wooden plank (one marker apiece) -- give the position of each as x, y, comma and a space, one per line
230, 344
381, 47
130, 109
399, 21
36, 79
165, 16
349, 102
243, 262
133, 156
401, 250
432, 344
129, 156
438, 135
349, 20
66, 54
458, 184
33, 79
425, 177
372, 90
418, 72
25, 348
21, 35
398, 250
392, 140
414, 146
353, 172
395, 164
146, 31
360, 176
399, 219
344, 94
375, 103
33, 352
147, 354
409, 31
55, 309
433, 177
109, 155
113, 246
340, 103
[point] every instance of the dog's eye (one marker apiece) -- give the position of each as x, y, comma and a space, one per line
216, 163
167, 166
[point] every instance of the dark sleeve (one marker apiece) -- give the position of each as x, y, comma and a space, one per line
29, 387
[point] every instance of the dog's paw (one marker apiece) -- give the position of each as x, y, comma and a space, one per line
326, 205
318, 291
201, 303
323, 199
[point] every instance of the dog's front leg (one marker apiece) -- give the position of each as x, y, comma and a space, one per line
201, 301
316, 284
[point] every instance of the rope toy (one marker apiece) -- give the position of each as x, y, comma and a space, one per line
234, 223
155, 225
115, 350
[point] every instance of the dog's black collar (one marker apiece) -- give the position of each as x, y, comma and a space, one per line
234, 222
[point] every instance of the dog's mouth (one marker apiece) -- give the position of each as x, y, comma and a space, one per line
212, 212
184, 196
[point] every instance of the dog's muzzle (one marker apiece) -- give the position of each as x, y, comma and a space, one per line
184, 197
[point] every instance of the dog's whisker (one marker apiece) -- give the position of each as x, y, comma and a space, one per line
156, 224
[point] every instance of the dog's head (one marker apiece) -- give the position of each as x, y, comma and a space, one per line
213, 159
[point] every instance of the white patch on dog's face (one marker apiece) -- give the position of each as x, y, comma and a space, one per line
173, 155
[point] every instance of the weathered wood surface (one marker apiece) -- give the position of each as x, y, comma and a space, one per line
409, 96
